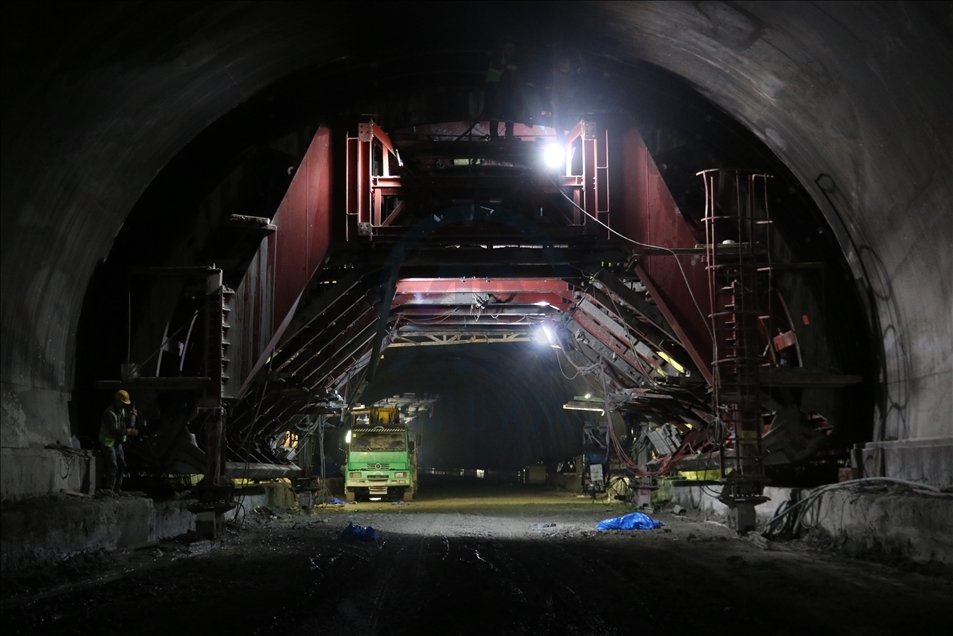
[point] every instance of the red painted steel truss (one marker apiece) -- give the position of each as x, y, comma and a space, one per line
392, 182
638, 322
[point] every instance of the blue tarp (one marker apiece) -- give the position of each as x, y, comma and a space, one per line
338, 502
632, 521
358, 533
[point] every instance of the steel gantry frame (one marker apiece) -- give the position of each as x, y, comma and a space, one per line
450, 236
384, 192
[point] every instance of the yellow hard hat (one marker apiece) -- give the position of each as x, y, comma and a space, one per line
123, 396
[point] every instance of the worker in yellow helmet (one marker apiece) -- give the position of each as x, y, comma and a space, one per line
118, 423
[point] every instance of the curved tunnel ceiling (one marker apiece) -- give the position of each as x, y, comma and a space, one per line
852, 98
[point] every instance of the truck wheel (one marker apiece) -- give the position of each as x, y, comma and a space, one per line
348, 495
408, 495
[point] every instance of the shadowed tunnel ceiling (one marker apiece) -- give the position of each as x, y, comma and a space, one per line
853, 99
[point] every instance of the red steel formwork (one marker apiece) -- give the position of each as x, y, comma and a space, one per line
265, 300
649, 215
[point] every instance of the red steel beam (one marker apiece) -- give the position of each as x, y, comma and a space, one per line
483, 286
617, 328
577, 130
589, 178
703, 362
476, 320
335, 323
460, 129
356, 337
465, 299
363, 177
370, 129
294, 253
599, 333
649, 215
351, 188
366, 316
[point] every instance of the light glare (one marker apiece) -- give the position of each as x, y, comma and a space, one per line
554, 156
544, 335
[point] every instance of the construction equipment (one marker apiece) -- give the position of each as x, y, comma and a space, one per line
381, 456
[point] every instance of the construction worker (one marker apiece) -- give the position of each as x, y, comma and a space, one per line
503, 89
118, 423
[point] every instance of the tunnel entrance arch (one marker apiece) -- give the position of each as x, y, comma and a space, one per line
803, 157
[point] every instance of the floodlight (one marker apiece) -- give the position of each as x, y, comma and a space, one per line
347, 437
544, 336
554, 156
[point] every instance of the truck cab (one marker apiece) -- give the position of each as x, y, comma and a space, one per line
381, 456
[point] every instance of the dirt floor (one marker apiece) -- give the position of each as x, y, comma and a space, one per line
501, 560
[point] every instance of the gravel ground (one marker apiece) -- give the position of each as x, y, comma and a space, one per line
503, 560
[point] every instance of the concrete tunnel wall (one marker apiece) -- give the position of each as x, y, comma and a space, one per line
858, 92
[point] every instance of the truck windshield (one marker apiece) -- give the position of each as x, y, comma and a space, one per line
378, 442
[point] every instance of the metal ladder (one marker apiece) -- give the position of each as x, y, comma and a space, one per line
732, 245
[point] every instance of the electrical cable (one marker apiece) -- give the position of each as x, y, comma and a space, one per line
620, 453
805, 504
586, 370
251, 429
665, 465
625, 326
437, 319
165, 342
560, 364
711, 491
656, 247
69, 457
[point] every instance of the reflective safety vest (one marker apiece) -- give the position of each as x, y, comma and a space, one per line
113, 423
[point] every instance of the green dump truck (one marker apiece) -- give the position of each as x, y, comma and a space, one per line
381, 456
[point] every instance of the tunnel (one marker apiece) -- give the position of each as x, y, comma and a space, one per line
288, 229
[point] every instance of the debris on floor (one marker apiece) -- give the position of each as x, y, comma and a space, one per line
469, 557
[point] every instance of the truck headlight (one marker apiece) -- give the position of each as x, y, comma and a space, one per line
354, 475
400, 475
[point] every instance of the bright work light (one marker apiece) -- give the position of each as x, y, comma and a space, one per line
544, 336
347, 437
554, 155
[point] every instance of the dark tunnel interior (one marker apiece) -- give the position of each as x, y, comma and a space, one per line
476, 318
499, 406
242, 164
